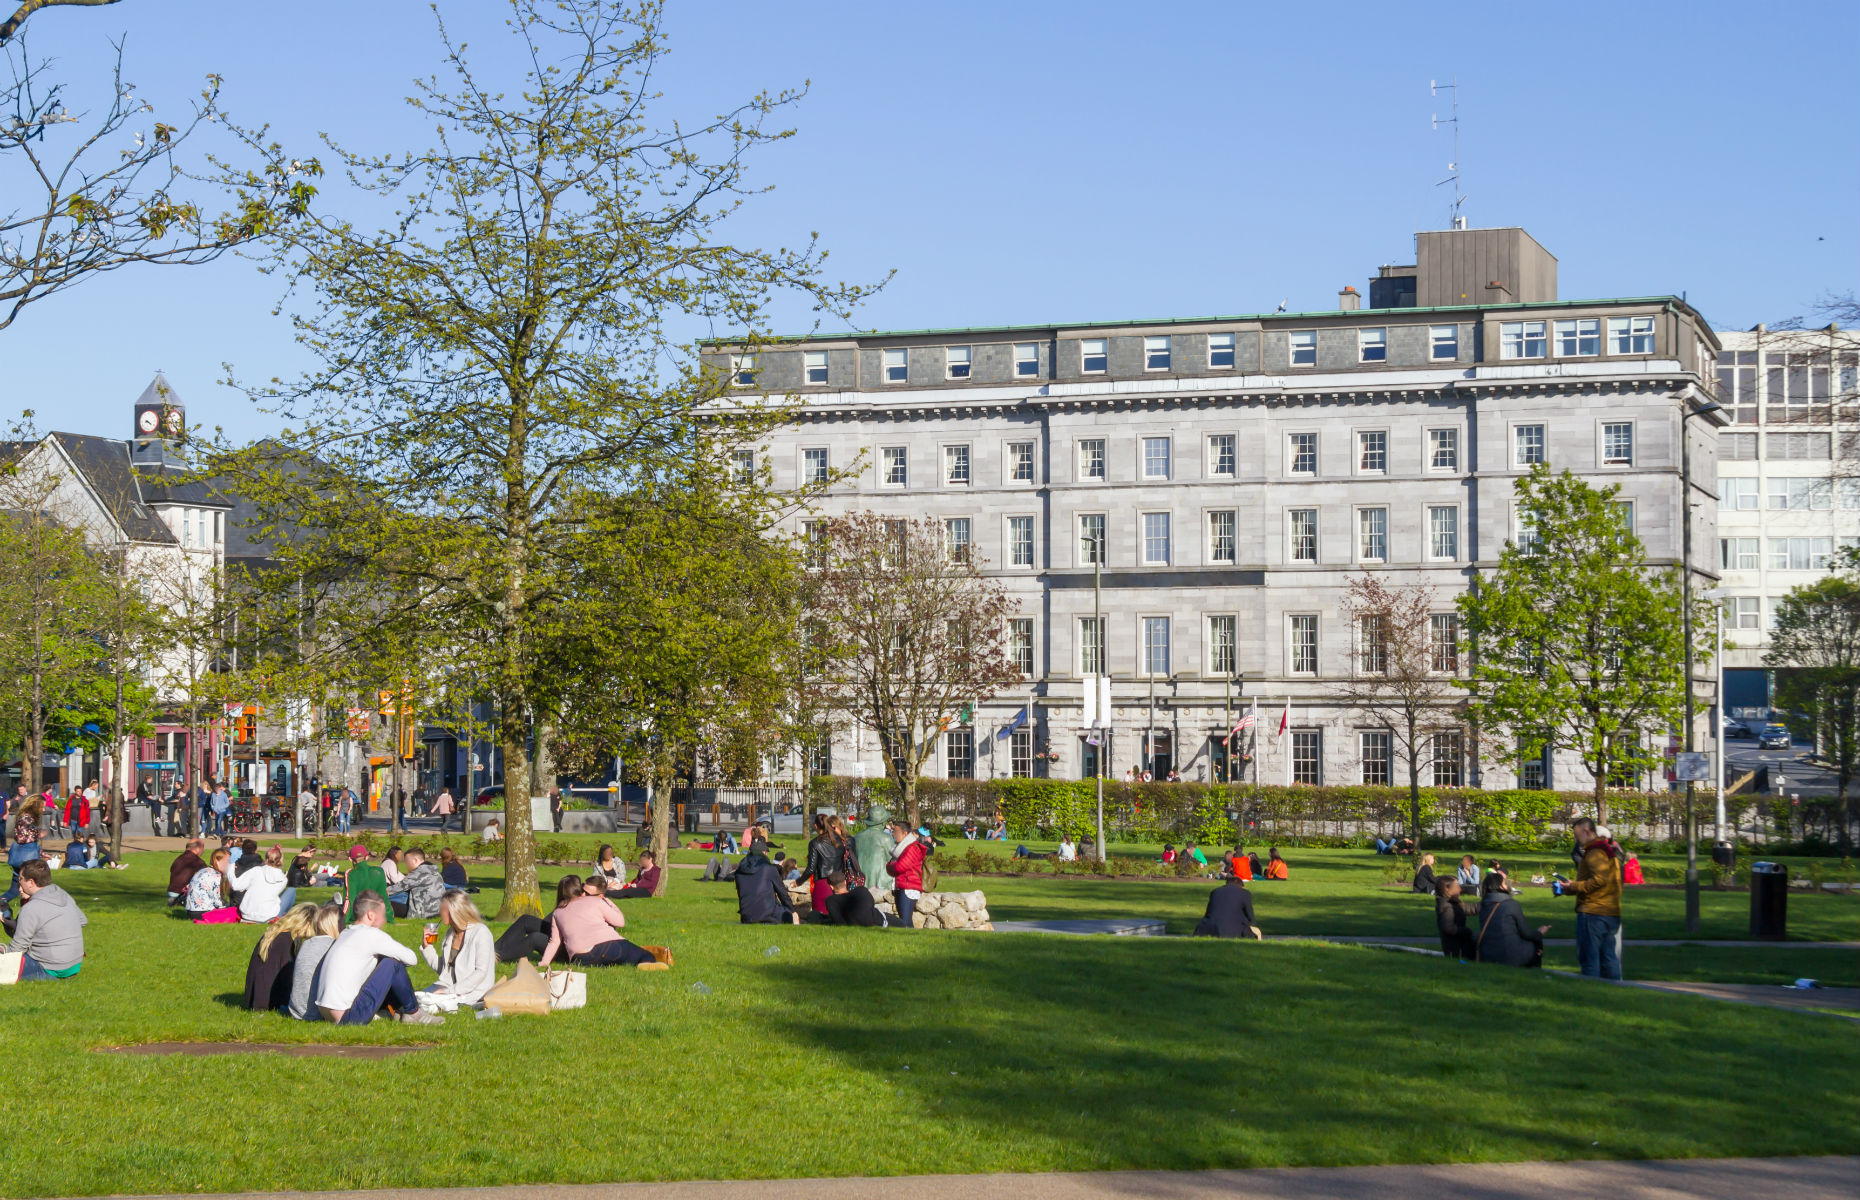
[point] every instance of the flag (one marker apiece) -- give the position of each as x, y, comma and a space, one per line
1245, 722
1020, 718
1094, 737
1285, 721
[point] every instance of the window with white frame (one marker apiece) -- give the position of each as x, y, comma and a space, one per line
1800, 492
1630, 335
1156, 538
956, 539
1155, 645
1579, 338
1220, 350
1155, 458
1020, 753
1303, 345
956, 362
1801, 553
1308, 756
744, 468
1372, 534
1020, 462
1449, 755
1091, 458
1444, 641
1738, 494
1626, 509
814, 467
1850, 494
814, 544
1091, 645
1020, 644
893, 466
1372, 451
1094, 356
1531, 774
1221, 536
1521, 339
1443, 532
1302, 452
1303, 643
1302, 535
1221, 455
1528, 540
1372, 345
1376, 757
814, 366
959, 754
1026, 360
1020, 541
1618, 444
1156, 354
1223, 645
897, 367
1743, 612
1739, 554
1443, 449
1372, 645
956, 464
1091, 538
1527, 445
1443, 342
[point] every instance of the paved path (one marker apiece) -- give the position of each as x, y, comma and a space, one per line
1844, 999
1712, 943
1689, 1179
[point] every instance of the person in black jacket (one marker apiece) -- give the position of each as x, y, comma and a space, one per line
1424, 876
1504, 938
826, 854
851, 905
761, 896
1230, 912
1456, 941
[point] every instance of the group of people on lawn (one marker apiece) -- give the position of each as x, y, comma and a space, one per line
832, 887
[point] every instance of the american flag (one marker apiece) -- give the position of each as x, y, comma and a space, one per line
1245, 722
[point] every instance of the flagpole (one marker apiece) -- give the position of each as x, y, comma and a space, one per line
1285, 731
1104, 717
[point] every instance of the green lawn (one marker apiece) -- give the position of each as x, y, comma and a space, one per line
970, 1052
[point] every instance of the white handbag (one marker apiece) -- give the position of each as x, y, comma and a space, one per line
567, 989
10, 967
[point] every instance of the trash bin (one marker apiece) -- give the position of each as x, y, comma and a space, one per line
1725, 855
1769, 900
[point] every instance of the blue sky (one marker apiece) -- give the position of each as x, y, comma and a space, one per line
1068, 161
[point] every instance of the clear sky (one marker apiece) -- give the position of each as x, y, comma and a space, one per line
1044, 162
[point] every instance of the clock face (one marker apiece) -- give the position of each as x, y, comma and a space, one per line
148, 420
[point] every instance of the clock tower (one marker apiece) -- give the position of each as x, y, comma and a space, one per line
160, 425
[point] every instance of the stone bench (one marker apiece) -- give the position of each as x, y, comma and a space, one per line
940, 910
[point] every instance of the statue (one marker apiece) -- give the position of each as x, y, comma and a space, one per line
872, 848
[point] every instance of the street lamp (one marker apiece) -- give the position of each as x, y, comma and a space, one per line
1717, 596
1685, 580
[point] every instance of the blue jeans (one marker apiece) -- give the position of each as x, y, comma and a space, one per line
17, 856
342, 821
906, 906
387, 984
1595, 945
31, 972
287, 901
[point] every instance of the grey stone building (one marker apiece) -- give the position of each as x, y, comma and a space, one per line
1241, 470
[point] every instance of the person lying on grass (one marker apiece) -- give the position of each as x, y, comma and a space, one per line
365, 972
585, 929
49, 935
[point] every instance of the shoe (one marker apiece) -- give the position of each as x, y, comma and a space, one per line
662, 954
420, 1016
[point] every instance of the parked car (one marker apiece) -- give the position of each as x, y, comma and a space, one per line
1734, 728
1775, 737
490, 795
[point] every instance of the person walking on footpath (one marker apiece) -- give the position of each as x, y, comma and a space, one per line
442, 808
1597, 889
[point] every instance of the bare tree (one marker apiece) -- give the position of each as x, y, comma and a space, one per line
9, 28
1402, 665
903, 632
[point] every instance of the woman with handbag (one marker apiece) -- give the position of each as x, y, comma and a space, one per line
829, 851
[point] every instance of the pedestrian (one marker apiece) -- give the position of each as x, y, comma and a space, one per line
306, 806
829, 852
345, 807
1598, 900
222, 807
442, 808
555, 809
203, 800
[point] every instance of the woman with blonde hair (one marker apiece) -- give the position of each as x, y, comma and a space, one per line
466, 957
325, 924
268, 975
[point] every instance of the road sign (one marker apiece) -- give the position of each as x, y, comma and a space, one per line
1692, 766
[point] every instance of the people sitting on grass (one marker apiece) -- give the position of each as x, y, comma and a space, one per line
1504, 938
268, 973
1456, 941
645, 884
1021, 851
25, 845
790, 869
465, 957
1394, 845
1191, 851
491, 832
264, 891
49, 934
391, 871
181, 871
452, 871
305, 975
363, 876
365, 973
1067, 851
301, 873
1276, 866
248, 858
829, 851
849, 904
610, 868
1631, 875
1230, 912
529, 934
206, 891
1424, 877
98, 857
968, 829
75, 859
761, 896
1469, 873
1239, 865
423, 887
584, 930
997, 832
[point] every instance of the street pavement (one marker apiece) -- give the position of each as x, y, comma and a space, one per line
1832, 1178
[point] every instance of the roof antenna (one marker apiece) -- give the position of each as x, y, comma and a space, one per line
1456, 219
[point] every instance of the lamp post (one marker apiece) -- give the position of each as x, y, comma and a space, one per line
1103, 651
1685, 592
1716, 596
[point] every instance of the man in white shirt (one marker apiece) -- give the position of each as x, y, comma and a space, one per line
365, 972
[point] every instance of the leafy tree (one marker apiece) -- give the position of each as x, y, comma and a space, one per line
1576, 639
1403, 671
1815, 648
902, 632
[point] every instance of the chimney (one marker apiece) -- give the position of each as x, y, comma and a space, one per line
1349, 299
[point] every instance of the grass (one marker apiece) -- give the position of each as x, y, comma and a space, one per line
970, 1052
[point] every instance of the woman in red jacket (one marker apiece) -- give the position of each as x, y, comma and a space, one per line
907, 870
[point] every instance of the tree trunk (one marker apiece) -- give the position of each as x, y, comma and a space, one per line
661, 825
521, 894
1414, 783
1601, 793
116, 781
